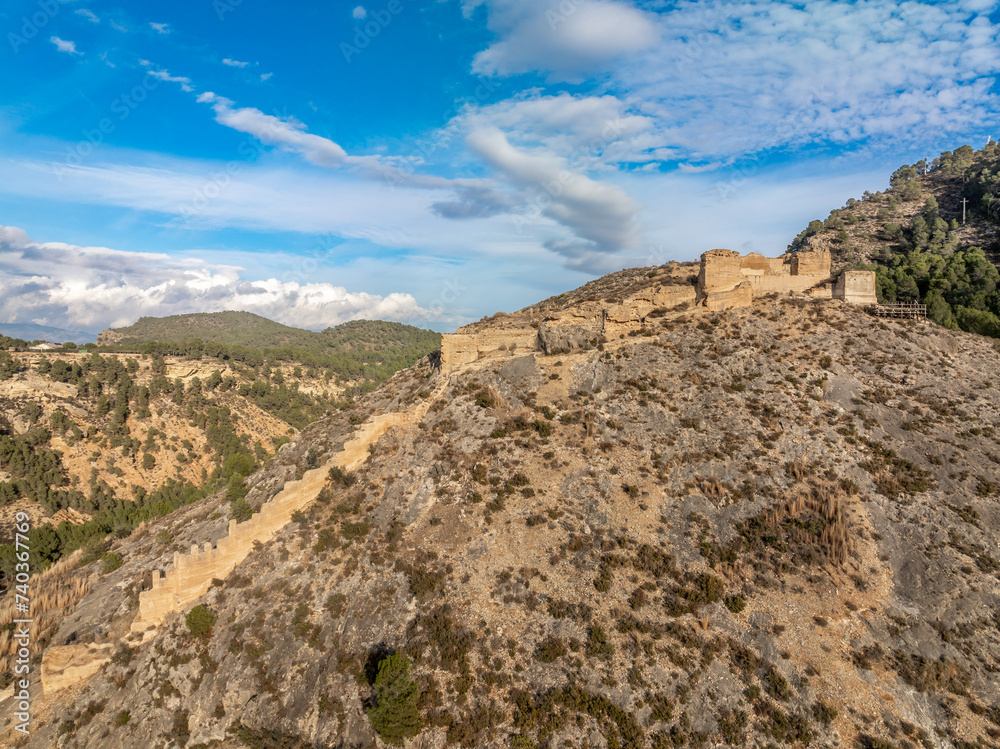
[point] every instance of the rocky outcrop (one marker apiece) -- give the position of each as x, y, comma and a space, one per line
70, 664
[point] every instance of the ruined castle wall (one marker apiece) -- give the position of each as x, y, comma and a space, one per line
741, 296
193, 572
815, 263
721, 270
68, 664
756, 264
465, 348
856, 287
782, 284
632, 312
728, 280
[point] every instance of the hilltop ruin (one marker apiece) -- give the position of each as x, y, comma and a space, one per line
725, 280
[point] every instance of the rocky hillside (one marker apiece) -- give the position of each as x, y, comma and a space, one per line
768, 526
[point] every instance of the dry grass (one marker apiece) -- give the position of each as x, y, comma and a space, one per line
53, 594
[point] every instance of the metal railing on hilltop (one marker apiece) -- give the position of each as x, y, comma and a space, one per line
904, 310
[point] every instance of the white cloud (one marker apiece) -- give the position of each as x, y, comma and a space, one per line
591, 131
89, 15
160, 28
733, 78
286, 133
64, 46
359, 13
265, 76
714, 79
52, 283
119, 27
164, 75
601, 217
567, 38
234, 63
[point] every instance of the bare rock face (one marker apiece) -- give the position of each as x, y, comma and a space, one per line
68, 665
768, 525
555, 339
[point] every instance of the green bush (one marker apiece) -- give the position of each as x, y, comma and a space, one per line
550, 649
394, 714
240, 510
736, 604
200, 620
110, 562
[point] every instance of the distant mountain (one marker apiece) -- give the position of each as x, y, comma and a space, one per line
247, 329
370, 350
32, 332
933, 237
231, 327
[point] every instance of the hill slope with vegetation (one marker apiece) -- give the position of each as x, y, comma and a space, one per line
360, 349
913, 236
771, 526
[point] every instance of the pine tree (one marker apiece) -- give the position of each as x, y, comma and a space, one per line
394, 714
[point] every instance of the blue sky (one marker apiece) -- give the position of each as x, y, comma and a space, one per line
435, 162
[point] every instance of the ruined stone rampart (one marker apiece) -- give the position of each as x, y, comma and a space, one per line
64, 666
566, 329
728, 279
464, 348
856, 287
193, 572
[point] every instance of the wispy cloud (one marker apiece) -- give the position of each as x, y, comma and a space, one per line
89, 15
266, 76
716, 79
160, 28
64, 46
601, 217
58, 284
287, 133
164, 75
359, 13
234, 63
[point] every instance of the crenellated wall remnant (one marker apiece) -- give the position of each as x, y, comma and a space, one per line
193, 572
856, 287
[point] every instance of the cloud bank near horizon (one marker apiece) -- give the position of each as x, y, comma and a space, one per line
66, 286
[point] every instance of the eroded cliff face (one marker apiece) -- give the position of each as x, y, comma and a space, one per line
771, 524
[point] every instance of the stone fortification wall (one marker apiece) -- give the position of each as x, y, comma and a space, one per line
193, 572
815, 263
564, 330
728, 279
465, 348
856, 287
633, 311
721, 270
67, 665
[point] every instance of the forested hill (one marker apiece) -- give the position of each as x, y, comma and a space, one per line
913, 236
361, 349
247, 329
